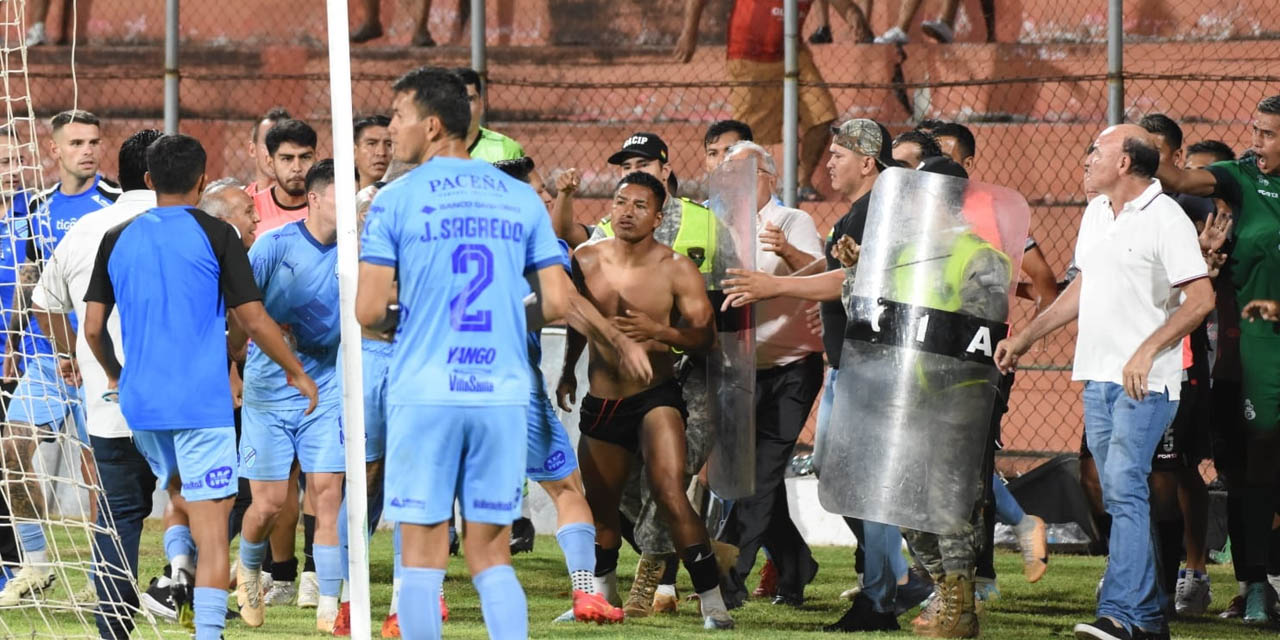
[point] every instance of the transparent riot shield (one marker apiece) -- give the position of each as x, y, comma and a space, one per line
917, 385
731, 366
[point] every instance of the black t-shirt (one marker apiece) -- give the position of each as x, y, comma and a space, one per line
833, 315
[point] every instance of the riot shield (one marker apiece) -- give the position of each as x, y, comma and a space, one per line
917, 384
731, 366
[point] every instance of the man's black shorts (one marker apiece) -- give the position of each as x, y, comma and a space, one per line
619, 421
1186, 440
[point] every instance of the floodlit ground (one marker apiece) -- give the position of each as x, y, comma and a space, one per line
1044, 610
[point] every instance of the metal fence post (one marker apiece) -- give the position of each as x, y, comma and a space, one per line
171, 66
478, 61
1115, 61
790, 101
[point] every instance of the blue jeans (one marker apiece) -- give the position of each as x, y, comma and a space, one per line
1122, 435
824, 412
885, 564
123, 503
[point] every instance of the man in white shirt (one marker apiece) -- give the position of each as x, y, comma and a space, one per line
127, 481
1138, 256
788, 378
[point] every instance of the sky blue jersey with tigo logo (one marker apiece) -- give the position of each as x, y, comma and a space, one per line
461, 235
52, 213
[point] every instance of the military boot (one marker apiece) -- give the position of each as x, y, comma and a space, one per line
648, 573
956, 615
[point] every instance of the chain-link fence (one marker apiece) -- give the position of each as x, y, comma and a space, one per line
572, 79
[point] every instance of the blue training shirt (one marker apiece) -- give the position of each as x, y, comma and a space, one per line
12, 250
535, 337
461, 235
52, 215
298, 279
173, 272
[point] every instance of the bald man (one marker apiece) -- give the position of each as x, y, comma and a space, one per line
1143, 286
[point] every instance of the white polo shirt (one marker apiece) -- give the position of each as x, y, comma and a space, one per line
1132, 264
61, 289
782, 333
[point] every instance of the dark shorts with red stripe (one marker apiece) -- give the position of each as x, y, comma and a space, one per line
619, 421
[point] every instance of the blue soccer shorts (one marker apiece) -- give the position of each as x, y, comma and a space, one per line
270, 439
437, 453
43, 398
550, 456
377, 363
204, 460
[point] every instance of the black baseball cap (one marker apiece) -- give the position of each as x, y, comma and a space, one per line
641, 145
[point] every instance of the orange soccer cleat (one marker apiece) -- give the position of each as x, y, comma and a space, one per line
391, 626
444, 609
593, 607
342, 624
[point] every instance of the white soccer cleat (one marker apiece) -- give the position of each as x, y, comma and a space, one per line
29, 582
280, 593
308, 590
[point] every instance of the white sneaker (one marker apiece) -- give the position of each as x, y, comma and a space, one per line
308, 590
1193, 594
938, 30
36, 35
893, 36
280, 593
29, 582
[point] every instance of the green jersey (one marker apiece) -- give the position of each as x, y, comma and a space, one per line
492, 146
1255, 258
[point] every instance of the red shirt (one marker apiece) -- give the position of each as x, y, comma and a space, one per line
755, 29
272, 215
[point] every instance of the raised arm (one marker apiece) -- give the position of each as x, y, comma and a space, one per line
1196, 182
562, 221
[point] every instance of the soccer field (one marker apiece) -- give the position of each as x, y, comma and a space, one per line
1024, 611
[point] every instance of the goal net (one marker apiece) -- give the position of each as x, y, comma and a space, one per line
49, 495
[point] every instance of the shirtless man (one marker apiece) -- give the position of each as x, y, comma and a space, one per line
641, 286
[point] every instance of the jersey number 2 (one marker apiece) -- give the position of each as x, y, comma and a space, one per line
460, 318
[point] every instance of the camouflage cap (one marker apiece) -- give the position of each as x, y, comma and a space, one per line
867, 137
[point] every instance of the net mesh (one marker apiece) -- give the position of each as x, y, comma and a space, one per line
49, 489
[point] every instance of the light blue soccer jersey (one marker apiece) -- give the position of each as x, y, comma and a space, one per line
461, 235
299, 283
